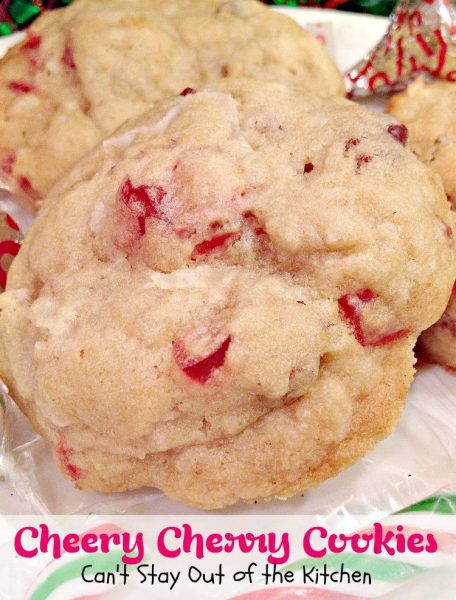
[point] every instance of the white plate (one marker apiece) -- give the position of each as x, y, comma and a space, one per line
416, 461
354, 34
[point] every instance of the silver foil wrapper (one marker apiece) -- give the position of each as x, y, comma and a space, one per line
421, 38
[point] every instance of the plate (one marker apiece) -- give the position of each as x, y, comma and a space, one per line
353, 34
414, 462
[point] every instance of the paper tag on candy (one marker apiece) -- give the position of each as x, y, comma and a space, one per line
421, 38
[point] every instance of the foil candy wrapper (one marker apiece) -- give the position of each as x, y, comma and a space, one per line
421, 38
13, 221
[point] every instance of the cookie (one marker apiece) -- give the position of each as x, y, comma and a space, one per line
222, 300
438, 343
84, 70
429, 112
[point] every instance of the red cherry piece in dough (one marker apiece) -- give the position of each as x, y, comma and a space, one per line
64, 456
350, 308
21, 87
143, 201
187, 91
308, 167
399, 133
7, 161
351, 142
208, 246
27, 187
68, 58
362, 160
33, 41
200, 369
11, 248
252, 220
389, 338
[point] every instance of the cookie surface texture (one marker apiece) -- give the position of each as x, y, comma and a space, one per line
221, 300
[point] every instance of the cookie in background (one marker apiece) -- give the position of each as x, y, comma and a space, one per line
428, 109
84, 70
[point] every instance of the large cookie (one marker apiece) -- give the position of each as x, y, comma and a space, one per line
84, 70
429, 111
222, 299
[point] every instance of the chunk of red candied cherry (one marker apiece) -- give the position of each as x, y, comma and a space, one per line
308, 167
143, 202
68, 57
186, 91
21, 87
7, 248
64, 457
350, 307
362, 160
7, 160
207, 246
31, 48
200, 369
389, 338
399, 132
33, 40
253, 223
351, 142
26, 186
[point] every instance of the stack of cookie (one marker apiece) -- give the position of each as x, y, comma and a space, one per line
220, 299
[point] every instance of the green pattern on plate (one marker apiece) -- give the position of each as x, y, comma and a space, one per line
444, 504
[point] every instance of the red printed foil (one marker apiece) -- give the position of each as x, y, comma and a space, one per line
421, 38
10, 243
